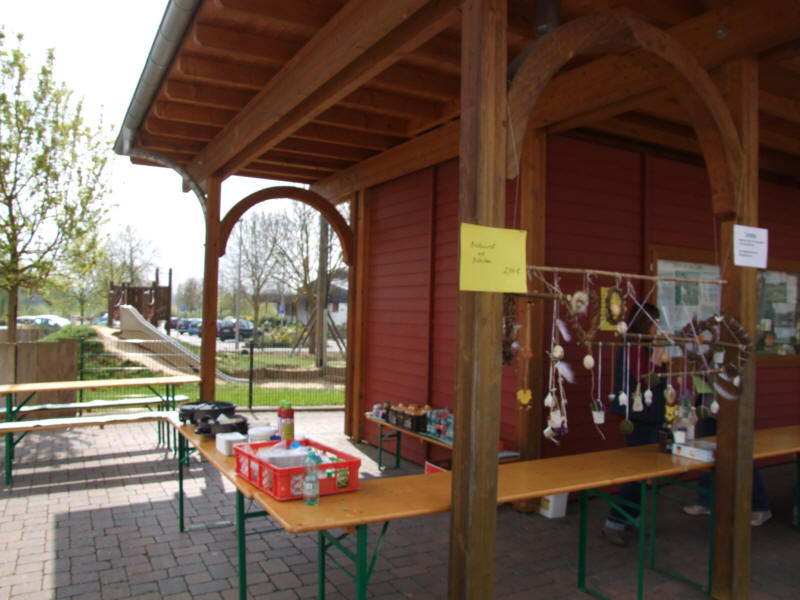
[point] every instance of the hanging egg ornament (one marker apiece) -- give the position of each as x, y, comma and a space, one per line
557, 353
637, 402
670, 394
622, 399
648, 397
588, 362
578, 302
555, 419
549, 402
737, 381
622, 328
714, 408
626, 427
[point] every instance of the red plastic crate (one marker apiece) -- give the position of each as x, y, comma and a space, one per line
287, 483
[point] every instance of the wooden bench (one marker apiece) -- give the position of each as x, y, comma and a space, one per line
90, 405
15, 424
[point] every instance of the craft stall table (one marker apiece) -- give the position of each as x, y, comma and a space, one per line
16, 424
396, 432
389, 499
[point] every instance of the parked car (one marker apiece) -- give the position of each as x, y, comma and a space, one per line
100, 319
226, 329
183, 325
49, 323
195, 327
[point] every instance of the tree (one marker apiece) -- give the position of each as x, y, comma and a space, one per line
131, 257
190, 295
257, 240
298, 252
52, 178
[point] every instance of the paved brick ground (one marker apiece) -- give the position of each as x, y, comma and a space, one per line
92, 514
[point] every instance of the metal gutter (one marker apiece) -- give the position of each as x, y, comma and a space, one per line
177, 18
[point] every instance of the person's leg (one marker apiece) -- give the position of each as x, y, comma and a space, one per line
705, 427
631, 491
760, 500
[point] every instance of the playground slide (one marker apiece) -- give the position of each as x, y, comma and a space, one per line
134, 328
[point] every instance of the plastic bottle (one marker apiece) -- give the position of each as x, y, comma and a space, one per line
311, 480
285, 420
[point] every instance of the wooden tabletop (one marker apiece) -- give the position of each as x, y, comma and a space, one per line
56, 386
776, 441
385, 499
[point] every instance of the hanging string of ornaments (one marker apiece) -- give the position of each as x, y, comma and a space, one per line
701, 347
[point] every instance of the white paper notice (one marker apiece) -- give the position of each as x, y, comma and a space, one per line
749, 246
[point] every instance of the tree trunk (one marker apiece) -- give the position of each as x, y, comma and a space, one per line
13, 301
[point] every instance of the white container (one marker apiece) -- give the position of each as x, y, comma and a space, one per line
225, 441
553, 507
261, 434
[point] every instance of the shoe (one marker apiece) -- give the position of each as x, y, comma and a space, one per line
760, 517
696, 510
615, 537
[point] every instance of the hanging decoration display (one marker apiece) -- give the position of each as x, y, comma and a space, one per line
712, 351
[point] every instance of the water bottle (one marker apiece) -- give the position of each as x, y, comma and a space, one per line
311, 480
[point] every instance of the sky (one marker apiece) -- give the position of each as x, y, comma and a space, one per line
101, 47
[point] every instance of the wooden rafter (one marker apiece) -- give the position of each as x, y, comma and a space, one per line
337, 44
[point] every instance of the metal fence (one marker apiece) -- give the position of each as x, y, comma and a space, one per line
246, 375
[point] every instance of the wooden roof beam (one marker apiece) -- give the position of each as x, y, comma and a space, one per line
422, 26
207, 95
239, 43
297, 15
226, 72
426, 150
614, 80
337, 44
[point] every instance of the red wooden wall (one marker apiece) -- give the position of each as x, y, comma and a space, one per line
605, 207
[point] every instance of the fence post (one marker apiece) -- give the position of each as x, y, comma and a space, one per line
80, 365
250, 380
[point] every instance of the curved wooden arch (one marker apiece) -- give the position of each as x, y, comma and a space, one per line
308, 197
687, 79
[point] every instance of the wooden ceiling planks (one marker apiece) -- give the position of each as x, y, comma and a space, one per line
237, 100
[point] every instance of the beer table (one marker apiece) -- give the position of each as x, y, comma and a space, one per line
13, 412
380, 501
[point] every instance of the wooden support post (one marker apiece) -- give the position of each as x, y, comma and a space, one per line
731, 568
356, 318
481, 198
532, 184
208, 341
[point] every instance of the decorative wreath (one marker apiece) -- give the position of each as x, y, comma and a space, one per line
615, 306
705, 336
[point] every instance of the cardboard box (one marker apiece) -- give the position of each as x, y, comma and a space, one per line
701, 450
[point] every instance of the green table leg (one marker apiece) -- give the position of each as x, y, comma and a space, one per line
181, 459
583, 522
9, 438
361, 563
797, 484
242, 551
640, 526
321, 565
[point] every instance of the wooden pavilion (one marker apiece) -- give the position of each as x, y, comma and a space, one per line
613, 131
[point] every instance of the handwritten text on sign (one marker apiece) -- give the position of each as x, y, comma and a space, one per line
492, 259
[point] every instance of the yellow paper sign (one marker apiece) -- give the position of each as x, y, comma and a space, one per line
492, 260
